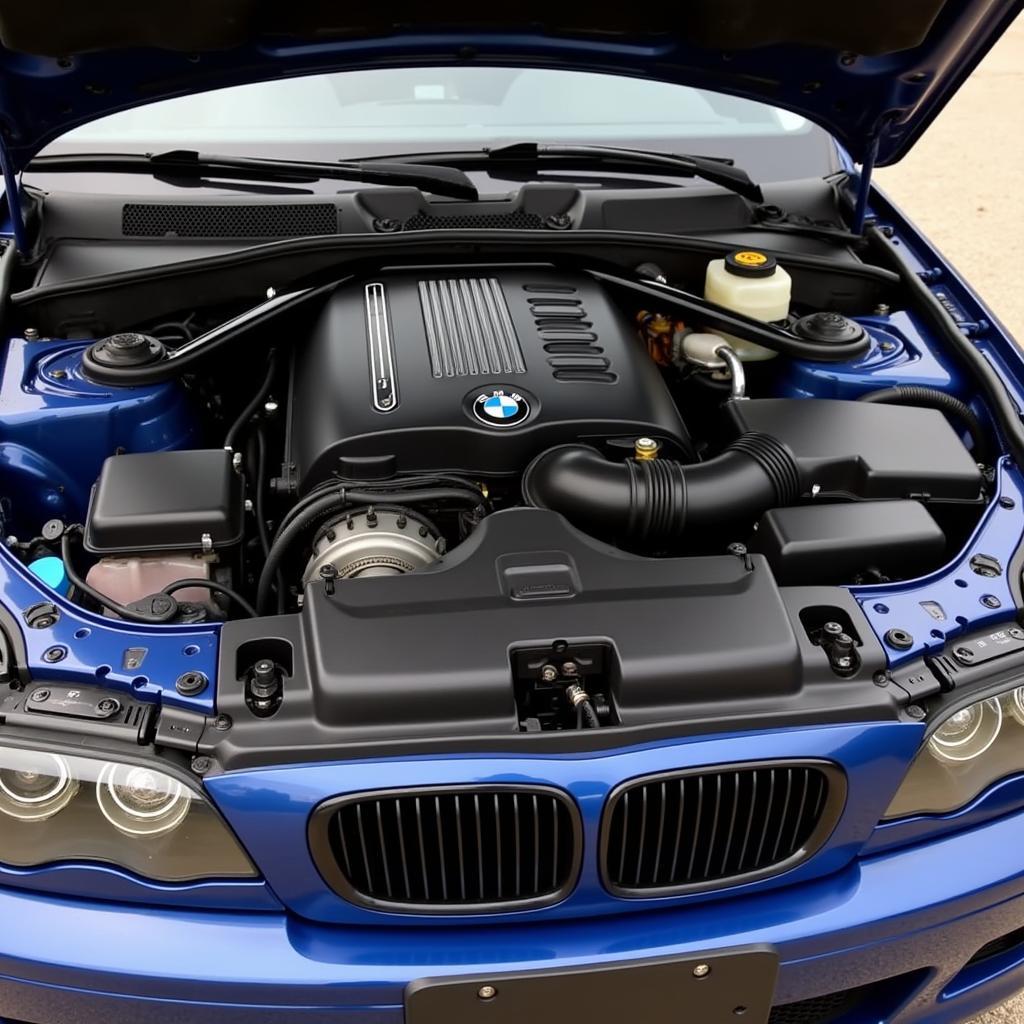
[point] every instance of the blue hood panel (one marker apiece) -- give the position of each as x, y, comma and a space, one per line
869, 71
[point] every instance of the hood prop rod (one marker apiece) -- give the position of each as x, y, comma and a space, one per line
867, 169
12, 192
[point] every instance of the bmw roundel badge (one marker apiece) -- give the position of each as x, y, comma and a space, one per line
500, 407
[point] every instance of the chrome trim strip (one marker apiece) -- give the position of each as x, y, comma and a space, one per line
383, 384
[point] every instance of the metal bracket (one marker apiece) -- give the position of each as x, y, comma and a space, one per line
12, 192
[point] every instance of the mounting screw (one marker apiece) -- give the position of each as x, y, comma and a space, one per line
916, 712
487, 992
883, 309
1016, 632
900, 639
1006, 502
40, 696
548, 674
702, 970
108, 706
832, 629
964, 654
54, 654
880, 679
991, 601
31, 334
570, 669
222, 723
201, 765
189, 684
387, 225
558, 222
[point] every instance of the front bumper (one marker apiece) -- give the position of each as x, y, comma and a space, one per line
918, 914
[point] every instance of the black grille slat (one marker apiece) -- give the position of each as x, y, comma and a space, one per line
708, 828
198, 220
449, 849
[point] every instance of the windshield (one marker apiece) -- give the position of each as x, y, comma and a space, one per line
351, 114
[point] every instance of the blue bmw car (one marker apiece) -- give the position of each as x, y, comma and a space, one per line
502, 521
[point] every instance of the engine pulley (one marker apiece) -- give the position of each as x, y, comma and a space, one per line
374, 541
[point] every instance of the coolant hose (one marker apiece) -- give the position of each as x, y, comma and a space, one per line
933, 398
654, 501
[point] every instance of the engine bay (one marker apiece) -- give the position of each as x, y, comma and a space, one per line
532, 469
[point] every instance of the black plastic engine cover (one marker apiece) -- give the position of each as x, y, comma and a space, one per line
469, 370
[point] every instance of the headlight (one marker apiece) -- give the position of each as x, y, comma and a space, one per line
972, 748
56, 807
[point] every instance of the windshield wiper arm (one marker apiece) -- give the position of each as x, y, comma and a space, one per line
184, 166
717, 170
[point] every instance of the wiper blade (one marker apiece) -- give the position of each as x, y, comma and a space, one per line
187, 167
718, 171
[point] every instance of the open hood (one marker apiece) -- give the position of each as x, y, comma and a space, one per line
873, 73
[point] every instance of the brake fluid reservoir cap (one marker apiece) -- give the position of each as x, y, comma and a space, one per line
829, 329
128, 349
750, 263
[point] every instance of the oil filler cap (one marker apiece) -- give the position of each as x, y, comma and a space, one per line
828, 329
128, 349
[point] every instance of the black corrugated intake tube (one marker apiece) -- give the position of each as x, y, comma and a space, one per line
655, 501
932, 398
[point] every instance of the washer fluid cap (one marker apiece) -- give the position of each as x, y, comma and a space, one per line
129, 349
828, 329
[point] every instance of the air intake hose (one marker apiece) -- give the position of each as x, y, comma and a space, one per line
655, 501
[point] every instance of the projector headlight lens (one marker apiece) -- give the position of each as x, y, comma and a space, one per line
972, 748
39, 787
58, 807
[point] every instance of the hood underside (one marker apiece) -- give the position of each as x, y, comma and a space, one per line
871, 73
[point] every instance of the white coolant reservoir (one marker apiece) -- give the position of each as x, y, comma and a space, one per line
751, 282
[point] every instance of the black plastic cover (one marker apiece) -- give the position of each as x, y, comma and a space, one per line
399, 369
425, 661
866, 450
165, 501
832, 543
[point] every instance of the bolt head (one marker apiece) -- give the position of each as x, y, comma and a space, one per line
549, 673
54, 654
487, 992
702, 970
40, 696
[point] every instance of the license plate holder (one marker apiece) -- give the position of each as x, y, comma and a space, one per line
737, 986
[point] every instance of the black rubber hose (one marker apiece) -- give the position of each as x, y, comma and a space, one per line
217, 588
932, 398
338, 499
260, 495
590, 715
128, 614
655, 501
231, 439
370, 495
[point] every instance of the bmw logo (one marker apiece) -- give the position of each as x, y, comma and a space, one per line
500, 407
